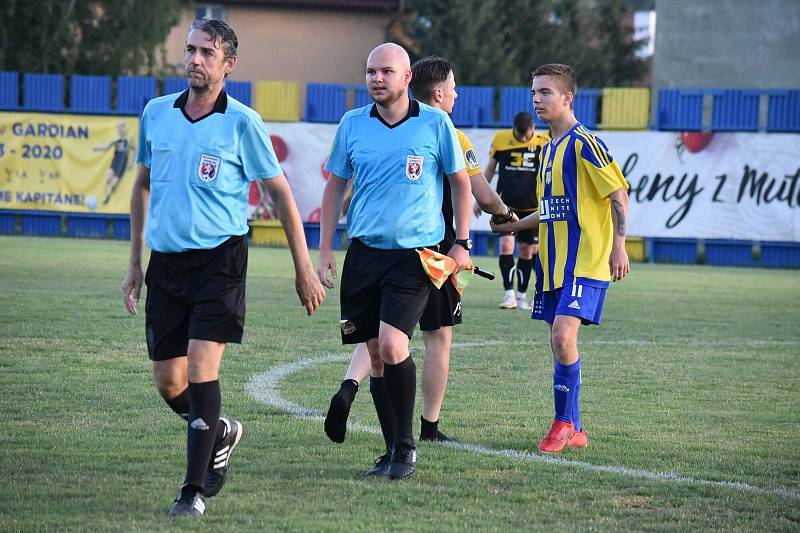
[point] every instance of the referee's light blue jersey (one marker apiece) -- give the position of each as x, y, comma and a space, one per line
200, 171
399, 171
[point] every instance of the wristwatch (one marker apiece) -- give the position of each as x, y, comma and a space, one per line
466, 243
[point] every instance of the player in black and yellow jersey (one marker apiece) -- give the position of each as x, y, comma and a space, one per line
515, 153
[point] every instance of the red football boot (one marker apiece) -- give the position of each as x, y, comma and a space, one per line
578, 439
559, 435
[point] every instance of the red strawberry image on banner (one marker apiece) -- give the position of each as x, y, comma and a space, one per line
695, 141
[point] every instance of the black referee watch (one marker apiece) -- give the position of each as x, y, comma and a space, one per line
466, 243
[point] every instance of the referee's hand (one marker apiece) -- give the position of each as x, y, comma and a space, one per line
326, 262
461, 256
309, 289
132, 288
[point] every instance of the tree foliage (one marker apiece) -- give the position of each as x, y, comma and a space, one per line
87, 36
500, 42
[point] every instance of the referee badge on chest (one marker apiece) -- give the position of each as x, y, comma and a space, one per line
208, 168
414, 166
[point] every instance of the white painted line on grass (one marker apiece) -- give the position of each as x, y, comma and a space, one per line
264, 388
689, 343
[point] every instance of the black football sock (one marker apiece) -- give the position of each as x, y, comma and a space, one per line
204, 409
180, 404
428, 429
339, 410
383, 406
524, 268
401, 387
506, 271
348, 389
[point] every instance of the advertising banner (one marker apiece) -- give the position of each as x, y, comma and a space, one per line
696, 185
70, 163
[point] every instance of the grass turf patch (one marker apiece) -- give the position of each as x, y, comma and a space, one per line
694, 371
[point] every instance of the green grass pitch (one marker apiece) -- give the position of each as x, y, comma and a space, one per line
691, 399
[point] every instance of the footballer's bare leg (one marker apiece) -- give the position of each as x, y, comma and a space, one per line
435, 371
171, 377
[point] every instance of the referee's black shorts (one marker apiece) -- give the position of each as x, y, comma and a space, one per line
443, 308
197, 294
381, 286
444, 305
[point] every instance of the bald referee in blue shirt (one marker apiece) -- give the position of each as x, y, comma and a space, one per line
398, 152
198, 152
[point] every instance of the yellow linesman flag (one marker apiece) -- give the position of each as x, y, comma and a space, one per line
439, 267
462, 279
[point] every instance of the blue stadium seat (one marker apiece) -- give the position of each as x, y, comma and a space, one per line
735, 110
40, 223
43, 92
474, 107
311, 230
8, 222
680, 110
671, 250
90, 94
585, 106
777, 254
729, 253
512, 101
9, 90
121, 227
133, 93
240, 90
174, 85
783, 114
87, 225
325, 102
361, 97
480, 242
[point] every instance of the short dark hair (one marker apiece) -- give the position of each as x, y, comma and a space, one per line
563, 73
426, 74
219, 30
523, 121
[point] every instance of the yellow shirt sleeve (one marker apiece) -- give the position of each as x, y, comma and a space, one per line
495, 142
603, 172
470, 158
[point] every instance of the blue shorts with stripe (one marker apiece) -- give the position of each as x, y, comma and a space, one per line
582, 301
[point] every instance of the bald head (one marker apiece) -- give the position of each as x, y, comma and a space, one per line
390, 53
388, 74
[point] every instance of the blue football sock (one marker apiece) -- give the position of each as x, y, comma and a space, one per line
565, 389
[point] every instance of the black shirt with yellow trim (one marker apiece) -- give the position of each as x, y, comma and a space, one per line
518, 163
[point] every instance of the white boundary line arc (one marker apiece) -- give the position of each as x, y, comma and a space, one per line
264, 388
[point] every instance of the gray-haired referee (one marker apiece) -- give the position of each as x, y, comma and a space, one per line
198, 152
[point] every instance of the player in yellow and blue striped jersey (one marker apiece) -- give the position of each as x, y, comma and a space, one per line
582, 218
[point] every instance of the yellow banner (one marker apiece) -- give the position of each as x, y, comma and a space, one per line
74, 163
